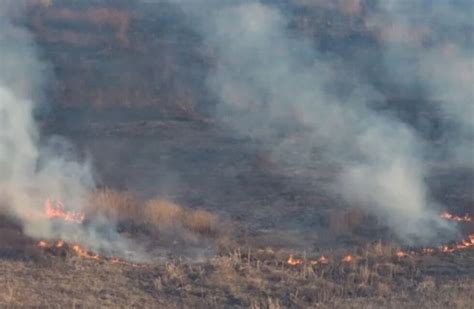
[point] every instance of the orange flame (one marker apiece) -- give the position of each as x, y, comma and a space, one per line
46, 245
446, 249
447, 216
323, 260
466, 243
60, 244
56, 210
402, 254
427, 250
85, 254
43, 244
292, 261
347, 259
78, 250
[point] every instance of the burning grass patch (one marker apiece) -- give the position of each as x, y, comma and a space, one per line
164, 219
245, 277
238, 279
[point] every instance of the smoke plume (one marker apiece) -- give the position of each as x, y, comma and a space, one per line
431, 45
313, 107
33, 167
275, 86
30, 171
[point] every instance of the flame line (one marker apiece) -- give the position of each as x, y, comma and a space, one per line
466, 243
85, 254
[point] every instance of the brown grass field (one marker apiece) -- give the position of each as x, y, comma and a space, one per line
238, 275
239, 279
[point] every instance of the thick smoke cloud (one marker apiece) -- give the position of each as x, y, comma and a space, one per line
33, 167
30, 171
275, 87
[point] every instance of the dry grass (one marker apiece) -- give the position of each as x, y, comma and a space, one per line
263, 280
114, 205
162, 214
201, 221
156, 214
241, 278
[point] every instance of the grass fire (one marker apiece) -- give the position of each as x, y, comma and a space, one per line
55, 210
236, 154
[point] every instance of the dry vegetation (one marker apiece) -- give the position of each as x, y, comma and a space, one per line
243, 278
96, 42
113, 205
162, 213
156, 214
238, 276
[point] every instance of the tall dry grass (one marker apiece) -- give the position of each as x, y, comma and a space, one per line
201, 221
114, 205
156, 214
161, 214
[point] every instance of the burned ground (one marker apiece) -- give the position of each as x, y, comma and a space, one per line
269, 214
218, 215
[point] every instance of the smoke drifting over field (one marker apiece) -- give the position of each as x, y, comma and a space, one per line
33, 169
30, 171
431, 46
268, 77
311, 104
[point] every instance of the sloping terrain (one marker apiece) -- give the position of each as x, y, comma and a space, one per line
129, 90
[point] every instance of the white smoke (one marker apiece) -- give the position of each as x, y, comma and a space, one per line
268, 77
30, 172
34, 168
435, 40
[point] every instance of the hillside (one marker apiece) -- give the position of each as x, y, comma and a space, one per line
253, 154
